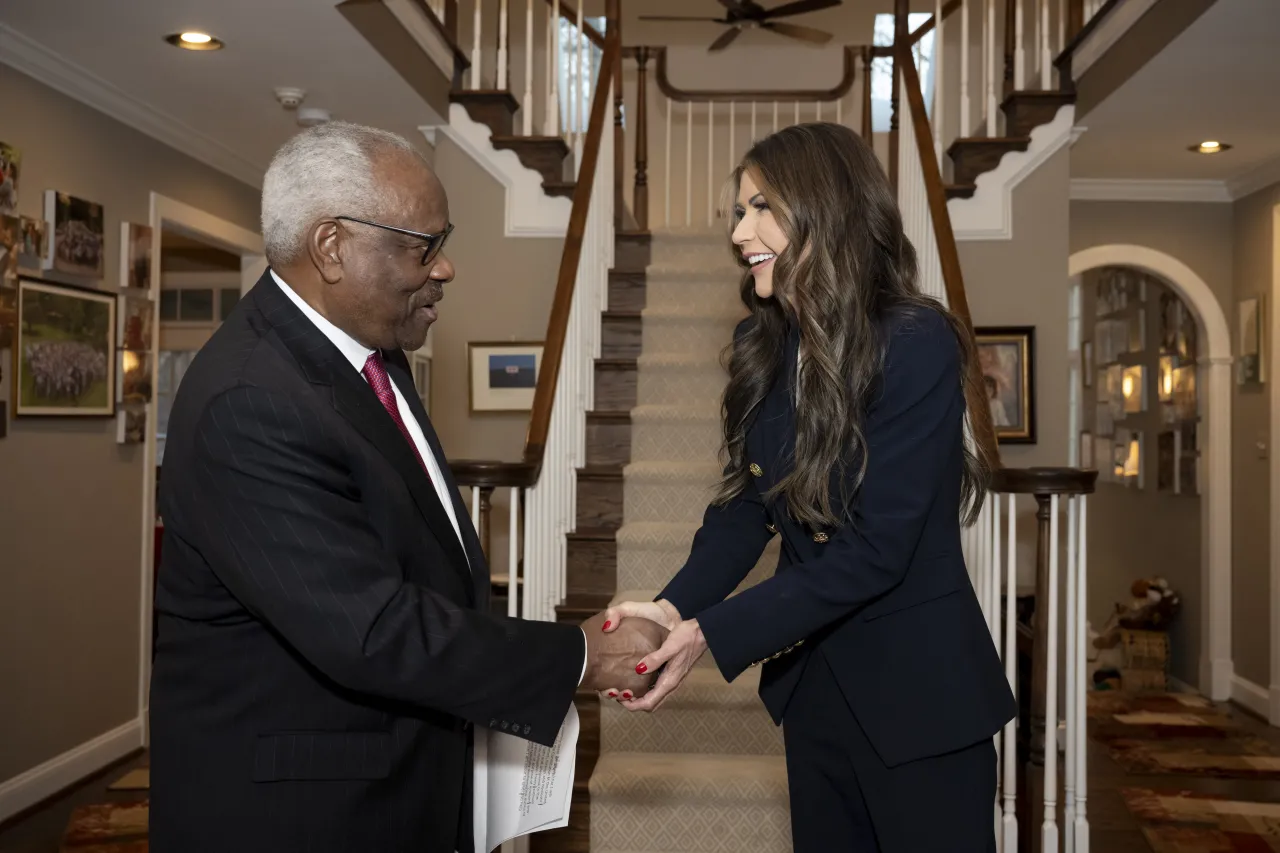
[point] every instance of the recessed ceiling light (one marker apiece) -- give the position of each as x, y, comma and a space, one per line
193, 40
1209, 146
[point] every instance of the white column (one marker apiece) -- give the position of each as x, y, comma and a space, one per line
1217, 672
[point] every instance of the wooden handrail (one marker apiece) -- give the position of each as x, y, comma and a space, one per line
535, 444
449, 32
721, 95
886, 51
953, 279
1062, 61
570, 14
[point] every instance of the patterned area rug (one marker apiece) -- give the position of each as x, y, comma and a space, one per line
1178, 733
1183, 822
107, 828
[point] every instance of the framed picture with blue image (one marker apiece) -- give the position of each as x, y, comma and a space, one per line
503, 375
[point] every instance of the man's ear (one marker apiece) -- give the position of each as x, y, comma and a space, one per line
325, 245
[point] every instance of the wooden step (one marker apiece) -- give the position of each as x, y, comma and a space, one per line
974, 156
494, 108
620, 334
627, 290
592, 561
1026, 110
544, 154
615, 381
631, 251
580, 607
563, 189
600, 496
608, 437
960, 190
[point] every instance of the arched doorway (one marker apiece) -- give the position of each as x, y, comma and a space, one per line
1214, 376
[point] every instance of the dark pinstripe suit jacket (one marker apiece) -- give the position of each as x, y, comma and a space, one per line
322, 646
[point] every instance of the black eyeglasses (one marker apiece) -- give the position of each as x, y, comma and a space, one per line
435, 242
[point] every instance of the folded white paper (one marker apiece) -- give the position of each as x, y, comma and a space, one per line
520, 786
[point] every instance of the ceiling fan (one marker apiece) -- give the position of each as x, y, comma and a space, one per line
748, 13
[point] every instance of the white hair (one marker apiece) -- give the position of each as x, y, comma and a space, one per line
325, 170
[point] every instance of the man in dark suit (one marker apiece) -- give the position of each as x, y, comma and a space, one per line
324, 648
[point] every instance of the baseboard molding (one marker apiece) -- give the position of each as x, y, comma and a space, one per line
39, 783
1251, 696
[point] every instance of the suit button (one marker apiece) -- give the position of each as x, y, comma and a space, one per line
526, 729
771, 527
493, 724
505, 725
820, 537
756, 470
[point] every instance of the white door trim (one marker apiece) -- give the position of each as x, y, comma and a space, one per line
1214, 380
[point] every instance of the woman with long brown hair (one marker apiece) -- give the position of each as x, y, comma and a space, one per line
844, 431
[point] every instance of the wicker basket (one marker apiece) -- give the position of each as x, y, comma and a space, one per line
1146, 660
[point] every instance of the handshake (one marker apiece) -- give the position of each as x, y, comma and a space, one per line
638, 652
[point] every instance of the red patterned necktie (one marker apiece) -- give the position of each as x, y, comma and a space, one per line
380, 382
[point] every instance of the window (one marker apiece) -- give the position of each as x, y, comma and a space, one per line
882, 69
172, 366
574, 115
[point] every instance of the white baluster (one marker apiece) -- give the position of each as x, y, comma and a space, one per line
711, 123
1009, 834
475, 507
753, 124
733, 160
775, 116
502, 44
1069, 682
818, 111
1062, 25
1045, 58
1019, 47
666, 170
527, 107
939, 87
475, 49
797, 121
1049, 826
513, 564
839, 106
548, 123
965, 107
688, 163
553, 25
1081, 758
993, 118
579, 84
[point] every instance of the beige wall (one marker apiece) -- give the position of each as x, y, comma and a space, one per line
502, 292
1140, 532
1251, 505
71, 522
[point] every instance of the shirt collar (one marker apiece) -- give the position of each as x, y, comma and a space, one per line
351, 349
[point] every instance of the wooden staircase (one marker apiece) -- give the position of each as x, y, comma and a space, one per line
1023, 111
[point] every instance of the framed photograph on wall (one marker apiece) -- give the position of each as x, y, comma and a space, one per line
135, 256
1007, 357
65, 348
79, 235
503, 376
1249, 362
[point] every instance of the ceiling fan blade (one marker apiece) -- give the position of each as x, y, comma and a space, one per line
797, 32
677, 18
726, 38
745, 8
799, 7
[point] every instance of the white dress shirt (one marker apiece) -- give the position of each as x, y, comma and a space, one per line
357, 353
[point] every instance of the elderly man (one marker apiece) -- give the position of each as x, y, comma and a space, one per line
324, 647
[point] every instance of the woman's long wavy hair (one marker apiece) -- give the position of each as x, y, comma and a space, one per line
846, 264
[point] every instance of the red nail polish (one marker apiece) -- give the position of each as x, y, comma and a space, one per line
641, 668
626, 695
612, 693
605, 626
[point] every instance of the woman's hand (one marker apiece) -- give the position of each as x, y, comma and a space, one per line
684, 645
663, 612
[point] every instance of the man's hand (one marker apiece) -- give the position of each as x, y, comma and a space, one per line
612, 657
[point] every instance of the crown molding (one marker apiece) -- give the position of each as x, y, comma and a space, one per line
39, 62
1102, 189
1255, 179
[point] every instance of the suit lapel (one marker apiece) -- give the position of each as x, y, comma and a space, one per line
323, 364
771, 440
398, 370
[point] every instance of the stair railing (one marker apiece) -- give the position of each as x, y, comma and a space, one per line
542, 484
991, 545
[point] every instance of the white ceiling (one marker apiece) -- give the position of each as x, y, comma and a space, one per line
217, 105
1219, 80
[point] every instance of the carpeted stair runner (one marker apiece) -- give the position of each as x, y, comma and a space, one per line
705, 774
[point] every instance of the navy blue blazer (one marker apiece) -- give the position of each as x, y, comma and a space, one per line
886, 599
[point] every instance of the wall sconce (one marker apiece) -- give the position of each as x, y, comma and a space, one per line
1134, 389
